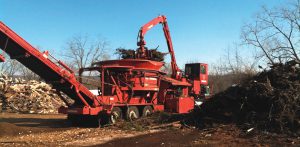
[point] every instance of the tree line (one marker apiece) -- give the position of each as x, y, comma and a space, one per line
273, 38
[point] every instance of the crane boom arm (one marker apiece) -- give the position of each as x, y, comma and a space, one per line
162, 20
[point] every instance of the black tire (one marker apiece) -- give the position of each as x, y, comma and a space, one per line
147, 111
132, 113
115, 115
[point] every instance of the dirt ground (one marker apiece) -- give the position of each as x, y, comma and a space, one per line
54, 130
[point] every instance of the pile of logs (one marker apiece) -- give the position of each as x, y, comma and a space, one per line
17, 95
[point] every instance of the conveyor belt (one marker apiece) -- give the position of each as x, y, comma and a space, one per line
55, 73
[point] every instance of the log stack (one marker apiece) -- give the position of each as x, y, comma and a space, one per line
17, 95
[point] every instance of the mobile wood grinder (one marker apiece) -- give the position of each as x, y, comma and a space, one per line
127, 88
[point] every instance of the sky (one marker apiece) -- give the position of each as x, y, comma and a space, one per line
201, 29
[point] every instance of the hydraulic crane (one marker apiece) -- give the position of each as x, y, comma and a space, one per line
142, 52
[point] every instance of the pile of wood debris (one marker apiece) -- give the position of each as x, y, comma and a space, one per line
152, 54
269, 101
17, 95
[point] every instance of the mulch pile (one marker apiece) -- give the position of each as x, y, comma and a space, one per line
17, 95
269, 101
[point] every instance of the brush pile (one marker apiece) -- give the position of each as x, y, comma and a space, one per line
125, 53
22, 96
269, 101
152, 54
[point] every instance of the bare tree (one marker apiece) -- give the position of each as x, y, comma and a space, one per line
232, 68
236, 62
9, 67
275, 32
82, 51
27, 74
13, 68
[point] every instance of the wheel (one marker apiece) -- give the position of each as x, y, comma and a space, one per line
132, 113
148, 110
115, 115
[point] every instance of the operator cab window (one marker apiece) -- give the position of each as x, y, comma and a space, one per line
202, 69
188, 70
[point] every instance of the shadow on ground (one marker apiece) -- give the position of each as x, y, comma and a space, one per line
166, 138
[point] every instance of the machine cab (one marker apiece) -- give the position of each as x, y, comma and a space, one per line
197, 74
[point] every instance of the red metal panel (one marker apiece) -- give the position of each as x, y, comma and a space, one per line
175, 82
196, 86
135, 63
80, 111
2, 58
158, 107
180, 105
186, 104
